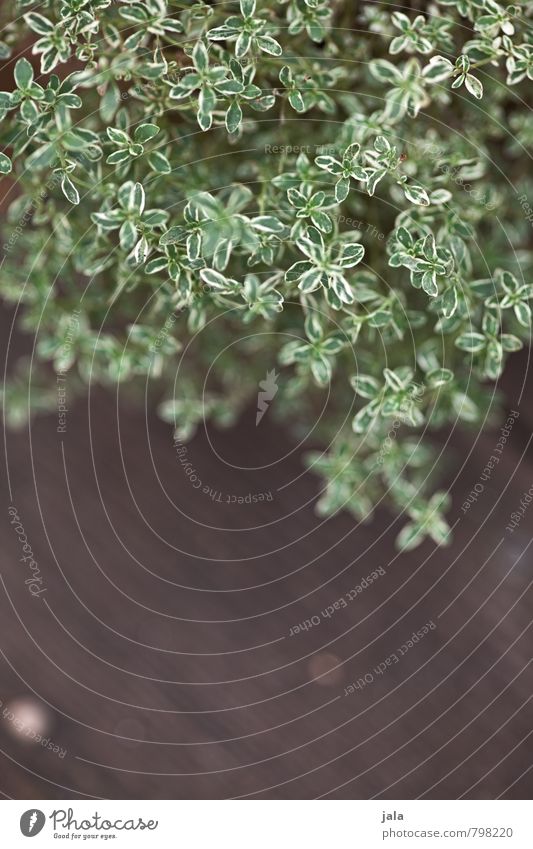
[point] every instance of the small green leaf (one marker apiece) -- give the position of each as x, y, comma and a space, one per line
439, 69
471, 342
321, 370
439, 377
364, 418
145, 132
247, 8
200, 57
409, 537
141, 250
173, 236
522, 311
118, 136
229, 87
269, 45
38, 23
449, 302
313, 327
365, 385
69, 190
137, 199
5, 164
474, 86
464, 407
23, 74
110, 103
329, 163
268, 224
159, 163
342, 189
233, 117
217, 280
416, 194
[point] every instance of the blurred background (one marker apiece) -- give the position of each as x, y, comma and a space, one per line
176, 621
164, 639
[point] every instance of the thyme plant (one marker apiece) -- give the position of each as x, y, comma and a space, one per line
332, 188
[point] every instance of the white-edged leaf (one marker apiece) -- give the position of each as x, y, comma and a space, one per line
69, 190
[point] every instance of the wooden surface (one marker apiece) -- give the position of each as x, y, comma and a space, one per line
162, 645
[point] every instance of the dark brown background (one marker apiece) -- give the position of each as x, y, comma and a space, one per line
163, 649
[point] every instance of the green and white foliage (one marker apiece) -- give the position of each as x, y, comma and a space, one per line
352, 206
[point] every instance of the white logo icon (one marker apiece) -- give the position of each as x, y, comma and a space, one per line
268, 387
